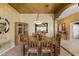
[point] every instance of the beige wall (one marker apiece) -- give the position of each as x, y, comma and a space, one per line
68, 20
46, 18
8, 12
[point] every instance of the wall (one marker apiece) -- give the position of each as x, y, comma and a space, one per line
30, 18
68, 21
8, 12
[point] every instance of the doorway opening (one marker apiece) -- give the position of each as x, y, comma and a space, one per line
74, 30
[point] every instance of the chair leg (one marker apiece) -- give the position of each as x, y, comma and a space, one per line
23, 50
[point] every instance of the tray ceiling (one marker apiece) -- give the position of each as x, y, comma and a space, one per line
38, 7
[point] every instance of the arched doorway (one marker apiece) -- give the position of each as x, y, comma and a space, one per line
74, 30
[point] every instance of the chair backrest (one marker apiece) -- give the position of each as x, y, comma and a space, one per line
57, 44
46, 44
32, 43
58, 39
24, 39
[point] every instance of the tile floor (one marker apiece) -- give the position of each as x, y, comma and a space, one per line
71, 45
63, 52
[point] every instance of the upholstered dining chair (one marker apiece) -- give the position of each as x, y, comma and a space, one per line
46, 48
32, 48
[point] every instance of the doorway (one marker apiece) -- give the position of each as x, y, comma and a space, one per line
74, 30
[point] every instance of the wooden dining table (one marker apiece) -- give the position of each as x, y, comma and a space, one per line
39, 44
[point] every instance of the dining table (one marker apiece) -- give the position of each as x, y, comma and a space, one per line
39, 44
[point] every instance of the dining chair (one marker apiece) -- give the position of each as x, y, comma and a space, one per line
46, 48
57, 44
32, 48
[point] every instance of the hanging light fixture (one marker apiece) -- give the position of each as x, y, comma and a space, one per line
37, 20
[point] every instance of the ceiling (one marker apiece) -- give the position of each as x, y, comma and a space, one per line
38, 7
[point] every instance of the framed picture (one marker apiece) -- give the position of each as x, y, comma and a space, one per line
61, 27
41, 27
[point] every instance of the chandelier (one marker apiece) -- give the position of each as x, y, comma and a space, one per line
37, 20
